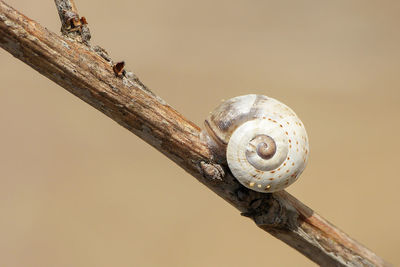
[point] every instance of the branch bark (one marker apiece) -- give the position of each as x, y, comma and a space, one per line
87, 72
72, 25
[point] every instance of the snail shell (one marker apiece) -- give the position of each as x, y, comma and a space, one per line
263, 140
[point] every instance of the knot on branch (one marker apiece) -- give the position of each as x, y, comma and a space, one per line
73, 26
212, 171
268, 211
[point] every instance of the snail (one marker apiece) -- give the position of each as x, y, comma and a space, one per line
262, 140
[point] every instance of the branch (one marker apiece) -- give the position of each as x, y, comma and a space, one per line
72, 25
88, 73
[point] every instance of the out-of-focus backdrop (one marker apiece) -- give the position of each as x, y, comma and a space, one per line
74, 185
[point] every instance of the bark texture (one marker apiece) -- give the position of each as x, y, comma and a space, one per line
88, 73
72, 25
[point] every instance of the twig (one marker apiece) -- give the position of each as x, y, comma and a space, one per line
88, 74
72, 25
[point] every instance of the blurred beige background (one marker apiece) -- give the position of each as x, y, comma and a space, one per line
72, 182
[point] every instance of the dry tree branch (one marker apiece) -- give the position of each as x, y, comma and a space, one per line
88, 73
72, 25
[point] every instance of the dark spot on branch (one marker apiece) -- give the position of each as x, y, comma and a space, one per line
256, 203
119, 69
242, 195
83, 21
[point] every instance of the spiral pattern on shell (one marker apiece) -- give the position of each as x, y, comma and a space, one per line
265, 143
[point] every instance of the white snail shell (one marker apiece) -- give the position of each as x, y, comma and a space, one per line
265, 143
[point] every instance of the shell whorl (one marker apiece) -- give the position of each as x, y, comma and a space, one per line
265, 143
